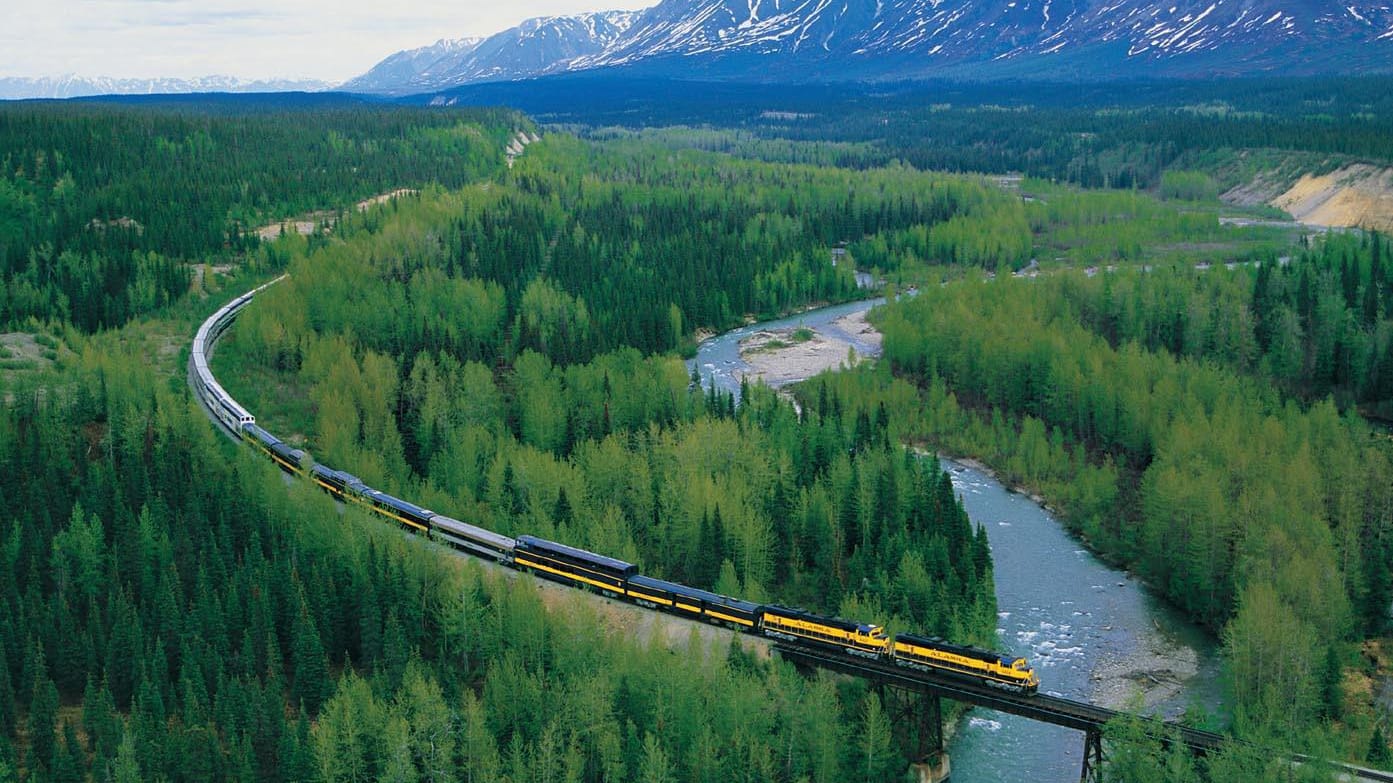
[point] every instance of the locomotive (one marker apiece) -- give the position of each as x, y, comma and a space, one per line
591, 571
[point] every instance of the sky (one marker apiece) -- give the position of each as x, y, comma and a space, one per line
329, 40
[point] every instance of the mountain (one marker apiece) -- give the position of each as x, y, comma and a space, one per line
15, 88
832, 40
534, 48
405, 67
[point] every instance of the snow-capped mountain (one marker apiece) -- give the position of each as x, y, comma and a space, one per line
533, 48
404, 67
816, 40
15, 88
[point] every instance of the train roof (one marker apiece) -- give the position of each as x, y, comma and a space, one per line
343, 477
966, 650
835, 622
397, 503
692, 592
261, 434
452, 525
286, 450
584, 556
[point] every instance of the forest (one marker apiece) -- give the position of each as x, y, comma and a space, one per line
155, 626
105, 209
1105, 135
1200, 400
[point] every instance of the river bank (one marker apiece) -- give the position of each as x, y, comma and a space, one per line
1091, 630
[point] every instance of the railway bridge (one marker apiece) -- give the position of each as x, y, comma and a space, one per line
915, 696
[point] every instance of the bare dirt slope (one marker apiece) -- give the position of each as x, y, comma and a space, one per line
1356, 195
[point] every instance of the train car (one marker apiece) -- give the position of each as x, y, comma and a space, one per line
473, 539
336, 482
291, 460
227, 411
407, 513
259, 438
269, 445
933, 654
691, 602
798, 625
573, 566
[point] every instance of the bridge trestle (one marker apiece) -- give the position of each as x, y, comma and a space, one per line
917, 717
1092, 757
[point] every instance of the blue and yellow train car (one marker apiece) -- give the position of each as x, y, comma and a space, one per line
930, 653
290, 460
573, 566
800, 626
687, 601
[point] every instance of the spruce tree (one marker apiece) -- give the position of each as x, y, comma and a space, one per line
310, 668
70, 763
101, 722
126, 768
1380, 755
43, 715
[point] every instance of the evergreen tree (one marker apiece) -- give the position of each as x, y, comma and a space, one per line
654, 766
7, 694
1380, 754
310, 678
70, 764
149, 729
101, 722
561, 513
126, 768
43, 716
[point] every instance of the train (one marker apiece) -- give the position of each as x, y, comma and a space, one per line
598, 573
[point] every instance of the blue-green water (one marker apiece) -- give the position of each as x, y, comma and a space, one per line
1091, 632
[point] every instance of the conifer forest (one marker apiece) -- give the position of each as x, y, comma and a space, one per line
1201, 388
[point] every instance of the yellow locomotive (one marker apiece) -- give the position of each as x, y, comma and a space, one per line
925, 653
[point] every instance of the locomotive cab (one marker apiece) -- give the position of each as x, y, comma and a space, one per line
870, 638
1029, 682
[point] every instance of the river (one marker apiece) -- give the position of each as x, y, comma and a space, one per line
1091, 631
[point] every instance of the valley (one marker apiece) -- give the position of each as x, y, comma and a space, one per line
682, 304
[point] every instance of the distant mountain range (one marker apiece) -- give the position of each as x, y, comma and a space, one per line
13, 88
533, 48
837, 40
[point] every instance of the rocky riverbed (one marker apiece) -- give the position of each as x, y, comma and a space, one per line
788, 354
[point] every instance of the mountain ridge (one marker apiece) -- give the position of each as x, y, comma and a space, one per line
535, 47
833, 40
73, 86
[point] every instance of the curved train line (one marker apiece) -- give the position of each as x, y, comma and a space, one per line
589, 570
989, 679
